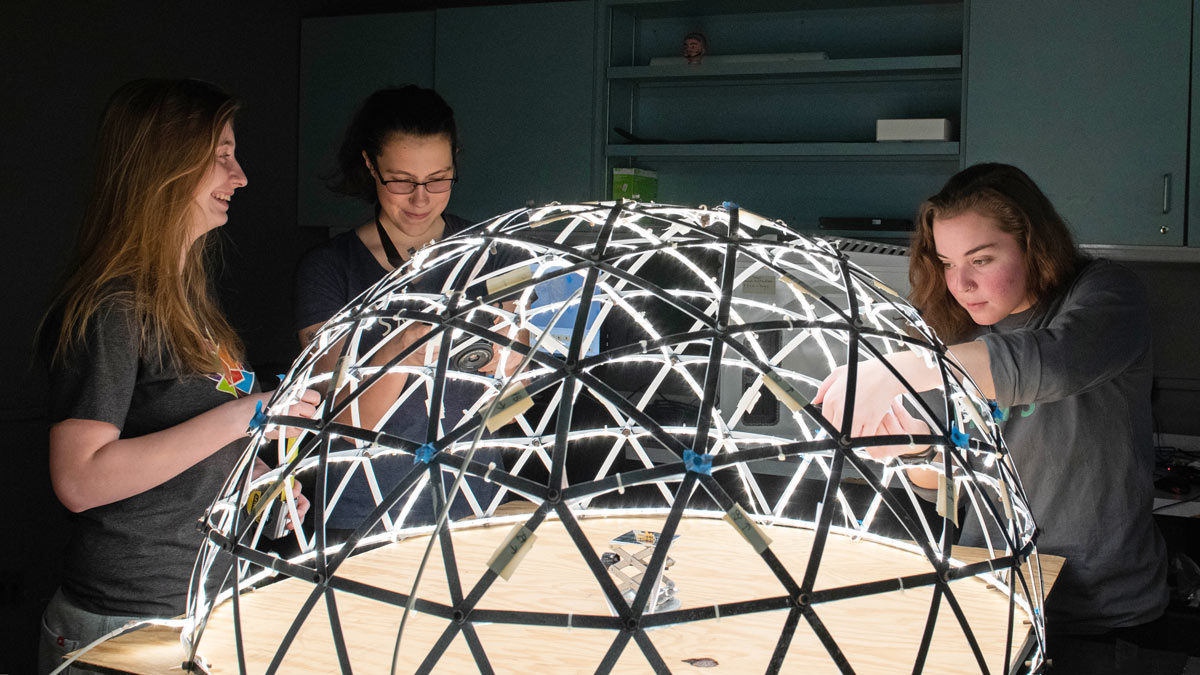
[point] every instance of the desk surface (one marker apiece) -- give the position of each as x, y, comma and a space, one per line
877, 633
1184, 507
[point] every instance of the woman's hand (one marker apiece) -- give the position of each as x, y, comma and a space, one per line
428, 353
876, 389
302, 503
898, 422
305, 406
513, 358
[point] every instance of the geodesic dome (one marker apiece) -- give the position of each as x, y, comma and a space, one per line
665, 491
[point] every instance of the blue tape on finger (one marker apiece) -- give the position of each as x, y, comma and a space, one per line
259, 419
425, 453
960, 439
694, 461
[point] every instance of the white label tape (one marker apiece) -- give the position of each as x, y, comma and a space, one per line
506, 558
741, 522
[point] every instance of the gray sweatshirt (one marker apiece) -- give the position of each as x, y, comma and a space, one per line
1073, 375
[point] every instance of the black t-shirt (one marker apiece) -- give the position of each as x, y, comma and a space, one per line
135, 556
328, 278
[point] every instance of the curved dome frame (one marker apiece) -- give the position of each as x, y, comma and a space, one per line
670, 327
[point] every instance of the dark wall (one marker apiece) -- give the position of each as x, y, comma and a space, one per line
62, 61
1175, 319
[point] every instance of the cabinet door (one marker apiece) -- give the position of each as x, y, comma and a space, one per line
1194, 126
343, 60
1091, 99
520, 79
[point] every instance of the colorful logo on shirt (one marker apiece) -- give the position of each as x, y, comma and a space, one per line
233, 380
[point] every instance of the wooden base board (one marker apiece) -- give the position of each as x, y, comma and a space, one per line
713, 564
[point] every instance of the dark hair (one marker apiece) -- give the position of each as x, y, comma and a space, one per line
1007, 194
406, 111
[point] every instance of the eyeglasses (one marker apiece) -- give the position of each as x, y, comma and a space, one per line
401, 186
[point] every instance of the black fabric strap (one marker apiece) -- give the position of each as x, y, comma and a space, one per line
389, 249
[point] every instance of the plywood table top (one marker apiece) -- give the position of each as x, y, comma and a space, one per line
878, 633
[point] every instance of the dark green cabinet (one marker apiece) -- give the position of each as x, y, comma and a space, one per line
1194, 136
343, 60
1091, 99
789, 139
520, 78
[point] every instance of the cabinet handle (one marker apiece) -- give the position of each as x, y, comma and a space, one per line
1166, 193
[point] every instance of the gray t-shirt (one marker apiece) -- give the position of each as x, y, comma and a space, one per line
1073, 375
135, 556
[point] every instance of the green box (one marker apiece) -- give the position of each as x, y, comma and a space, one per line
636, 184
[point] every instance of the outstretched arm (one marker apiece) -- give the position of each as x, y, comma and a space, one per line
878, 407
877, 387
91, 465
374, 402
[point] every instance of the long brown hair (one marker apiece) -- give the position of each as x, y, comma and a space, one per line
1007, 194
157, 140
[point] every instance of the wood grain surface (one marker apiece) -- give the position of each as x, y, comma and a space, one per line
712, 564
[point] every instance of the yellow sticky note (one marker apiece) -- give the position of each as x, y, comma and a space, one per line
1007, 499
784, 391
884, 287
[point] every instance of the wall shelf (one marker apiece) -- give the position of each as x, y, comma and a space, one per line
789, 139
895, 150
945, 66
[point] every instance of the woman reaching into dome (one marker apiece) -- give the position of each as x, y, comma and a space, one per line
398, 155
1061, 343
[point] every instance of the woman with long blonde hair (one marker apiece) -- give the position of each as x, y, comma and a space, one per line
149, 401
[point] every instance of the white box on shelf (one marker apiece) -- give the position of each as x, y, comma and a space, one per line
913, 130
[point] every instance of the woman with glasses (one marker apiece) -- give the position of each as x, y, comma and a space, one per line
149, 401
398, 155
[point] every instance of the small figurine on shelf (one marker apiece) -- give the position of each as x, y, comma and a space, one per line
695, 46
